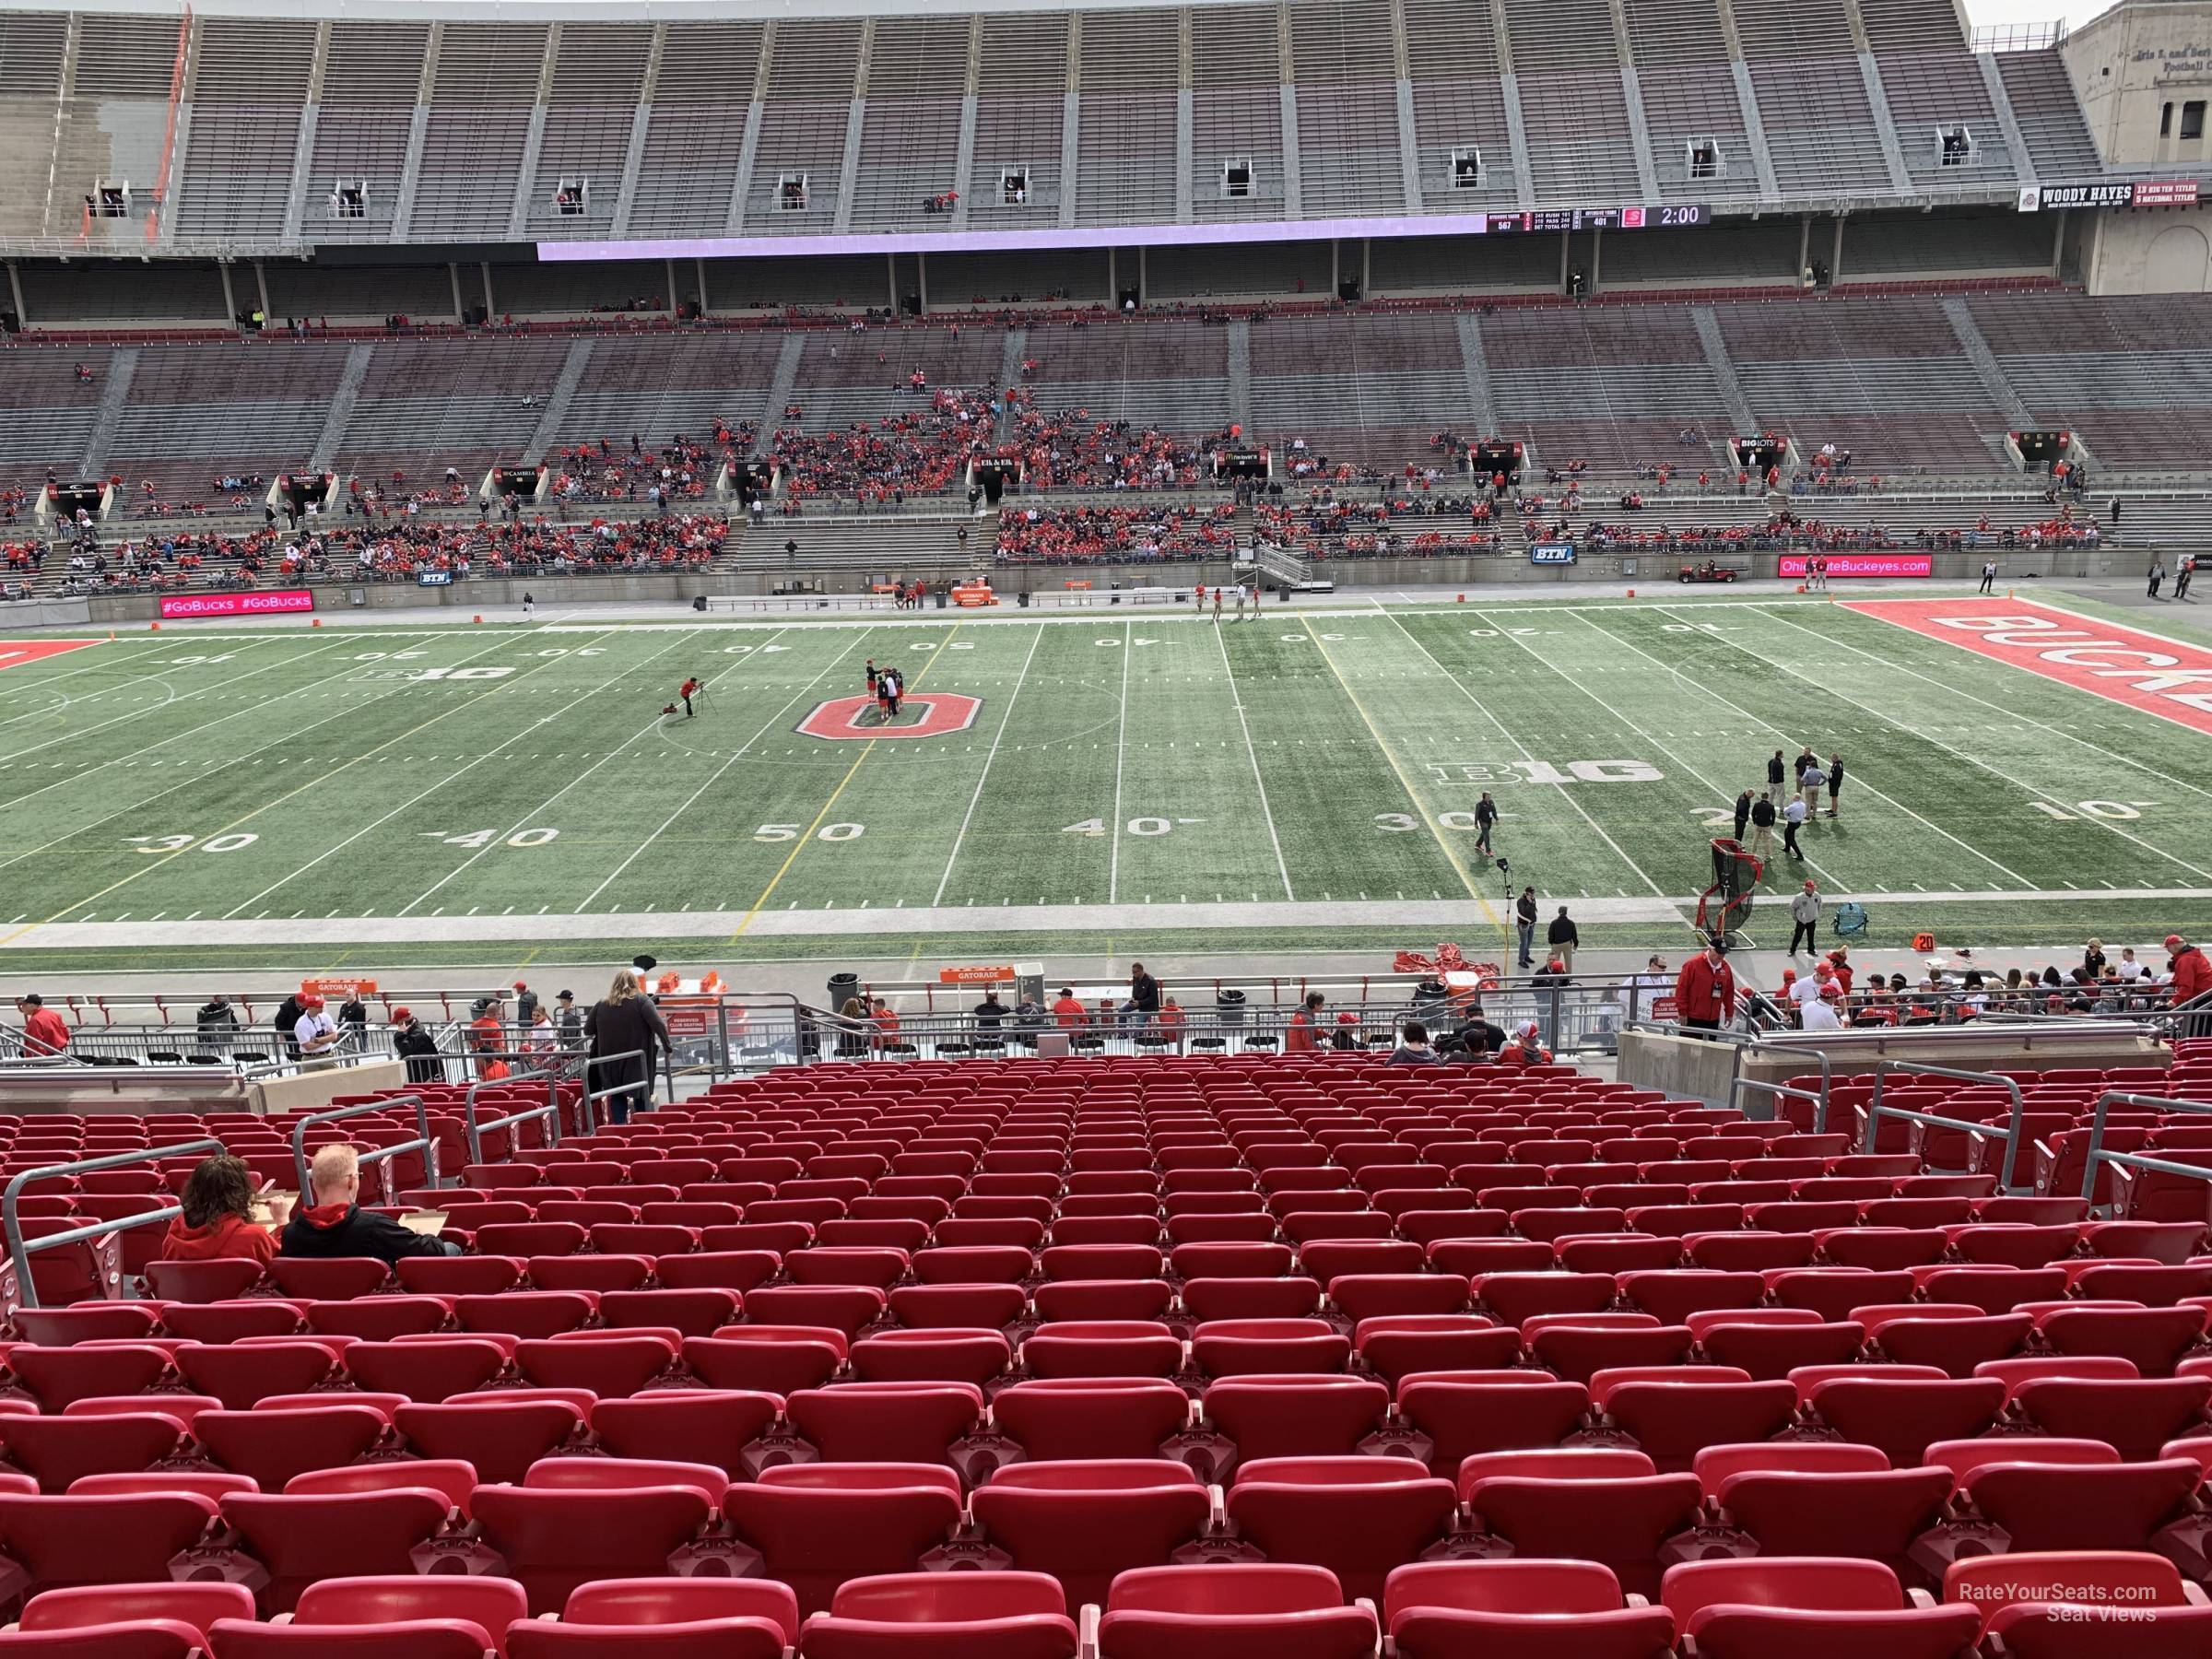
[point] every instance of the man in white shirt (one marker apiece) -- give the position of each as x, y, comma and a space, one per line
317, 1034
1818, 1013
1793, 819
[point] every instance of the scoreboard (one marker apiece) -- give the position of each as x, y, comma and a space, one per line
1667, 215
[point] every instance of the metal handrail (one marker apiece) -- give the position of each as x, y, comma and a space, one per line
424, 1142
1820, 1098
2097, 1154
551, 1110
586, 1114
20, 1249
1875, 1111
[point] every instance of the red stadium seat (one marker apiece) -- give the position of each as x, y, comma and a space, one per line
1233, 1611
1084, 1520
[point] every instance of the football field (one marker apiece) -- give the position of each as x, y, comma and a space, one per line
495, 795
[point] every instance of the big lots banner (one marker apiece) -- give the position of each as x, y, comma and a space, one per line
253, 602
2146, 671
1862, 564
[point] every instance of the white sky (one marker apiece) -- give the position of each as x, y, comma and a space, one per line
2032, 11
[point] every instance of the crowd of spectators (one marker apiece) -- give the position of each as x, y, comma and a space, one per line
1033, 535
1786, 532
395, 552
922, 451
1072, 449
680, 470
1326, 526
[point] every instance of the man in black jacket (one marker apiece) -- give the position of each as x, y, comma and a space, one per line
1743, 814
412, 1041
286, 1021
1144, 995
1524, 923
217, 1022
990, 1012
332, 1223
1563, 937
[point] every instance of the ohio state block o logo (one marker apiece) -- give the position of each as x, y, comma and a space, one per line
940, 714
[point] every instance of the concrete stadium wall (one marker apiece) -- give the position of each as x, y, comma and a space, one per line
2163, 251
335, 601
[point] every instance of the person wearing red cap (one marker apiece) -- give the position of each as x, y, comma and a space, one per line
317, 1034
413, 1043
2191, 973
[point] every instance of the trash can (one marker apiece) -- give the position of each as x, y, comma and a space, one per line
940, 598
1022, 599
842, 988
1229, 1007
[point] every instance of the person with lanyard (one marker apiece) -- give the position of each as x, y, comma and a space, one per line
317, 1033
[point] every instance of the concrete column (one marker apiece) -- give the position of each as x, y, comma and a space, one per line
261, 287
222, 268
15, 293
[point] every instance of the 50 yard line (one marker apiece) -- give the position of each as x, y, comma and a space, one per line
852, 771
712, 778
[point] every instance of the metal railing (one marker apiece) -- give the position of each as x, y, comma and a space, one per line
251, 1053
549, 1111
20, 1249
587, 1106
2098, 1157
424, 1142
1877, 1112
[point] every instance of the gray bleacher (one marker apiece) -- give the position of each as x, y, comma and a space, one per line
465, 128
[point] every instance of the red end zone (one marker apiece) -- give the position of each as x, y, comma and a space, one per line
2150, 671
937, 715
15, 654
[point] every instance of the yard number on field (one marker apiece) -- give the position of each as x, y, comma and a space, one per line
479, 839
177, 844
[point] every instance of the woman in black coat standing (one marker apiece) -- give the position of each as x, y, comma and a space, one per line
624, 1023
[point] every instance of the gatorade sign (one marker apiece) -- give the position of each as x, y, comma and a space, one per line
2159, 676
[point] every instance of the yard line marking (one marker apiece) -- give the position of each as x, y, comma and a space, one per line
2058, 730
1121, 750
1252, 754
1564, 793
128, 684
433, 789
163, 859
1436, 830
852, 771
998, 739
1777, 731
349, 711
712, 778
77, 773
1969, 760
524, 822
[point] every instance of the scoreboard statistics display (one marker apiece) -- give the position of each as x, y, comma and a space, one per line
1668, 216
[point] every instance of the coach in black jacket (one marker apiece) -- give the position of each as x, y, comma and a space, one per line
333, 1224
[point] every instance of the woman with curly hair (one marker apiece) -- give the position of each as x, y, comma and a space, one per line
218, 1215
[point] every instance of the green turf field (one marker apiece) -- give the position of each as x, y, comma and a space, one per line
500, 793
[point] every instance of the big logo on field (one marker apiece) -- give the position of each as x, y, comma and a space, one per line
938, 715
2168, 677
